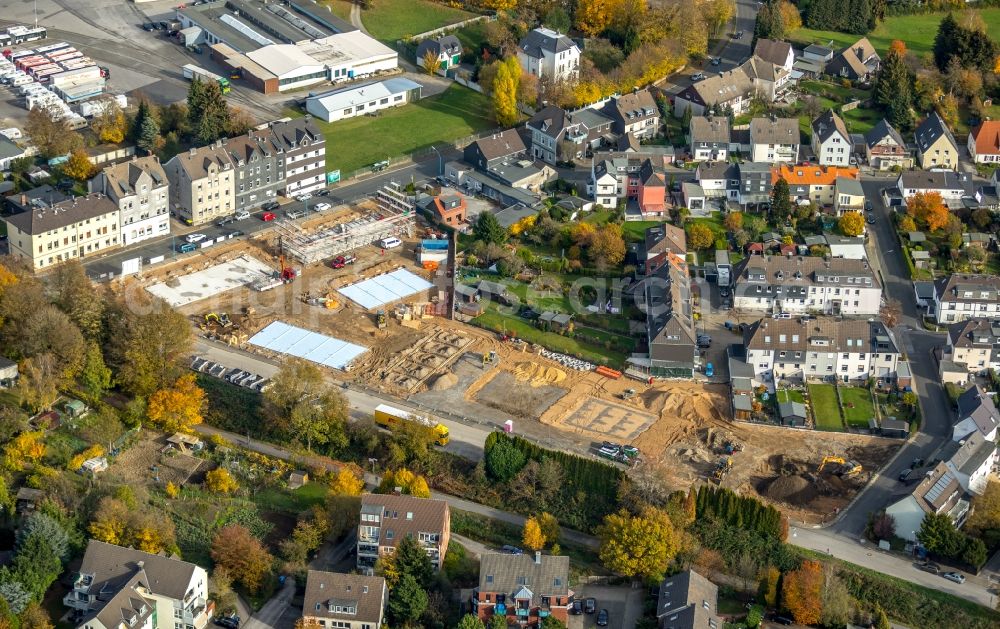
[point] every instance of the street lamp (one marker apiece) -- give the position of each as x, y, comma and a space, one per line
440, 160
373, 461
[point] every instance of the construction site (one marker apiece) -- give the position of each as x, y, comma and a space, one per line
408, 348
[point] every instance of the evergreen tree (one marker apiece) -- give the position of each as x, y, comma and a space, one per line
412, 560
894, 90
407, 602
945, 41
208, 114
769, 24
488, 229
149, 135
141, 115
781, 203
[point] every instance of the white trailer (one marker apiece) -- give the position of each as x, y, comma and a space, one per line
88, 73
95, 107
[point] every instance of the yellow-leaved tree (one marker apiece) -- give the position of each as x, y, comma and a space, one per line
532, 536
505, 86
221, 481
346, 483
177, 407
27, 447
638, 546
594, 16
78, 166
851, 224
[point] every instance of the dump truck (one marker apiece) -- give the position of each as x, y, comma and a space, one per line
389, 418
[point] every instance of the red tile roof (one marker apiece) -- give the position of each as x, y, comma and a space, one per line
987, 136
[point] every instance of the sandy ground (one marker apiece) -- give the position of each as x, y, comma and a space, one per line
150, 461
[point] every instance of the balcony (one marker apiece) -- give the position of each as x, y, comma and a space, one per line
522, 613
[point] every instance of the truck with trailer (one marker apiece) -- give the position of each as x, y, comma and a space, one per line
389, 417
724, 268
191, 71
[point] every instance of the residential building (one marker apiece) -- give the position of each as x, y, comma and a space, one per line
971, 460
635, 114
831, 143
718, 179
857, 62
670, 331
561, 136
936, 146
140, 189
623, 176
9, 152
977, 413
710, 138
647, 188
961, 296
848, 195
257, 175
688, 601
885, 148
492, 151
774, 140
660, 243
202, 185
852, 248
363, 99
952, 186
388, 518
76, 228
939, 492
523, 588
779, 53
799, 284
344, 601
447, 49
754, 184
448, 208
815, 52
984, 142
812, 183
848, 350
974, 344
733, 90
548, 54
120, 587
304, 147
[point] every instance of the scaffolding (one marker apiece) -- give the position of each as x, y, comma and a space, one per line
307, 247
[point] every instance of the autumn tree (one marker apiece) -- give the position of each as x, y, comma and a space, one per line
110, 124
851, 224
306, 537
242, 555
34, 616
770, 577
71, 291
594, 16
734, 221
406, 481
608, 245
78, 166
700, 236
470, 621
240, 122
95, 377
220, 481
346, 483
505, 86
432, 62
922, 205
119, 520
881, 621
717, 14
638, 545
148, 340
549, 526
38, 382
26, 448
986, 513
532, 536
890, 312
801, 593
178, 407
301, 401
53, 138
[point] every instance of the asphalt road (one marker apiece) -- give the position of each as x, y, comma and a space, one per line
731, 53
885, 257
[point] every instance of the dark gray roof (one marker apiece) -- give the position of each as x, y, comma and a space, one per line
983, 288
545, 39
112, 566
123, 176
881, 130
549, 120
44, 219
688, 600
449, 44
774, 131
501, 144
829, 123
976, 332
928, 132
541, 575
713, 130
934, 180
969, 454
8, 149
977, 405
325, 591
127, 606
792, 409
772, 51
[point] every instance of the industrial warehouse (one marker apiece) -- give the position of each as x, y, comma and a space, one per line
280, 47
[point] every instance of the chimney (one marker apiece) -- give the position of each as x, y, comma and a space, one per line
397, 491
538, 557
24, 199
140, 564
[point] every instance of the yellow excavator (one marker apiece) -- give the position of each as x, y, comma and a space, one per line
847, 468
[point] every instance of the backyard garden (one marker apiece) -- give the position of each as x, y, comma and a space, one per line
834, 406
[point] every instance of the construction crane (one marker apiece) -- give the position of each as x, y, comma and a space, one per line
847, 468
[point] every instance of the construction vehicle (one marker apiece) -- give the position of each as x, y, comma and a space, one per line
489, 358
380, 320
389, 417
845, 467
732, 447
219, 319
722, 468
628, 394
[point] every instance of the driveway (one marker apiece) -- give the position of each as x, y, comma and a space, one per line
624, 605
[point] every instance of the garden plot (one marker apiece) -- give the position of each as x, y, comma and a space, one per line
152, 460
609, 419
211, 281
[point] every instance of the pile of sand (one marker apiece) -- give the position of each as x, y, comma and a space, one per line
794, 490
445, 381
536, 375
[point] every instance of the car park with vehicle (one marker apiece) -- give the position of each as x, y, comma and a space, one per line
390, 243
321, 207
241, 215
270, 205
577, 608
341, 261
268, 216
954, 576
305, 196
511, 550
929, 566
193, 238
602, 618
590, 605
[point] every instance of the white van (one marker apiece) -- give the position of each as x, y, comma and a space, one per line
21, 79
390, 243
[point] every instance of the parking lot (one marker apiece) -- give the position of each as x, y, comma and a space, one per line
624, 605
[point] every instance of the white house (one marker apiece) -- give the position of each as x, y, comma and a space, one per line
974, 344
851, 248
976, 414
774, 140
949, 184
710, 138
830, 140
146, 591
939, 492
805, 284
971, 461
984, 143
547, 54
141, 190
364, 99
779, 53
960, 296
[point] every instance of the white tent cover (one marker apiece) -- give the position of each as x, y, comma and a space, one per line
318, 348
385, 289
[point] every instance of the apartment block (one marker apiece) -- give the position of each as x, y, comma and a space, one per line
304, 148
388, 518
800, 285
344, 601
961, 296
202, 184
974, 344
76, 228
524, 589
141, 190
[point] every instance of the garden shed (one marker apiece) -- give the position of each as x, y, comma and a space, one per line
792, 413
895, 428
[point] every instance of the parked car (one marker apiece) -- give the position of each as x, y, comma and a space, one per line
590, 605
270, 205
954, 576
187, 247
341, 261
241, 215
323, 193
268, 216
321, 207
390, 243
577, 608
698, 76
511, 550
602, 618
739, 34
294, 214
868, 206
193, 238
709, 370
904, 475
929, 566
783, 315
304, 197
783, 620
716, 61
225, 220
227, 623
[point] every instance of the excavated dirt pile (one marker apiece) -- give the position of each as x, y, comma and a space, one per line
536, 375
794, 490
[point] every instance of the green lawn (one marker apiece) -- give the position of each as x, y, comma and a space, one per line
824, 407
391, 20
472, 36
359, 142
493, 320
917, 31
293, 502
857, 406
340, 8
832, 96
635, 231
790, 395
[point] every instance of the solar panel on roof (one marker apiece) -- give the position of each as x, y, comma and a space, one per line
942, 483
